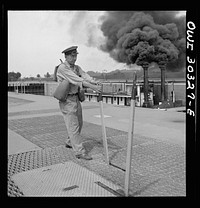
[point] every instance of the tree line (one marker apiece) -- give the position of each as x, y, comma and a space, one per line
16, 76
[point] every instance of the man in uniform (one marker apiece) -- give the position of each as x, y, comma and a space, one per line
71, 107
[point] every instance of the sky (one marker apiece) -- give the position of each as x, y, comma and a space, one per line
36, 40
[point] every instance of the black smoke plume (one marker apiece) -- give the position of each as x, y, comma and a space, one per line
129, 33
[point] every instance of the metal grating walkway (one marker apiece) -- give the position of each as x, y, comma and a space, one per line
64, 179
158, 168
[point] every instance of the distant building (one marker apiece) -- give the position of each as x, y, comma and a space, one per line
118, 91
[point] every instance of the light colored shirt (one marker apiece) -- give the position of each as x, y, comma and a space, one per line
75, 75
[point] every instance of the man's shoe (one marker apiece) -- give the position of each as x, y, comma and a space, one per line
68, 146
84, 156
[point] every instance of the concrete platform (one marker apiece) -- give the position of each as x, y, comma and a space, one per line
18, 144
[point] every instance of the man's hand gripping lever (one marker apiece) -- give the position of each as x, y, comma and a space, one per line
96, 88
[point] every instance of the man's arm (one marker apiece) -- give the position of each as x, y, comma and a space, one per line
66, 73
96, 88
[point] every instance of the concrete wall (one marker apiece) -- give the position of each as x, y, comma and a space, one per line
179, 89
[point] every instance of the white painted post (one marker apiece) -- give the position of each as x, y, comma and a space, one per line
130, 137
99, 99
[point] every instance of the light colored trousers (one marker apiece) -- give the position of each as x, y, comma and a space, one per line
72, 113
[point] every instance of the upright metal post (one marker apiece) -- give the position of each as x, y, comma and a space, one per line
99, 99
130, 137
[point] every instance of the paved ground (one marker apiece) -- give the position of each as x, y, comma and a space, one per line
36, 134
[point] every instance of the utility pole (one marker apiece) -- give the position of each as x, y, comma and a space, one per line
163, 93
146, 85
